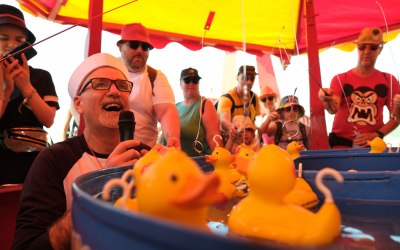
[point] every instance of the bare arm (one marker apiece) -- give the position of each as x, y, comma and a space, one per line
60, 232
21, 78
362, 138
331, 102
396, 111
168, 116
211, 124
268, 126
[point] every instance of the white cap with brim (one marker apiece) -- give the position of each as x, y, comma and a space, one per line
90, 64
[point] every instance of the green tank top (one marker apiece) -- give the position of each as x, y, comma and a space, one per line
189, 121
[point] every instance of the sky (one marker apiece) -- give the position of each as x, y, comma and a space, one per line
61, 54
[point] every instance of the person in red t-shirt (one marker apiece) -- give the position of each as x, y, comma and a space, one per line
357, 97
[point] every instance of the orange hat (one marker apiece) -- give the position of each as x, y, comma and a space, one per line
267, 91
135, 32
370, 36
243, 122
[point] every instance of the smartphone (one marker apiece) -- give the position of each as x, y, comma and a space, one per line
29, 52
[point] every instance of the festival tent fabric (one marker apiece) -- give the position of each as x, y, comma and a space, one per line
260, 27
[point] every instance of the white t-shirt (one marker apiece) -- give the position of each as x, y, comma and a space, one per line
142, 100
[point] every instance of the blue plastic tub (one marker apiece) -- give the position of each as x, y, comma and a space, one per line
99, 225
349, 159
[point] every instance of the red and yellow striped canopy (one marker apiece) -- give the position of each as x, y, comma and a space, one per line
262, 25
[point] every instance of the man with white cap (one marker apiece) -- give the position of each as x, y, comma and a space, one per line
358, 96
152, 99
100, 91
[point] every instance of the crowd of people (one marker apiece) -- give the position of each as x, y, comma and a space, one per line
103, 85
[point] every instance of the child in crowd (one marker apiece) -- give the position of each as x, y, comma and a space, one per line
245, 134
284, 124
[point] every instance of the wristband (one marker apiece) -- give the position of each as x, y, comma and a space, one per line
26, 100
380, 134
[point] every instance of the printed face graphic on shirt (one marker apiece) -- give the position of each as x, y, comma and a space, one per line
363, 104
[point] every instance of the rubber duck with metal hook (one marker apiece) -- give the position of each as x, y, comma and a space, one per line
264, 214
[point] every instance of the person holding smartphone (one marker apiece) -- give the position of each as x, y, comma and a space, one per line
28, 100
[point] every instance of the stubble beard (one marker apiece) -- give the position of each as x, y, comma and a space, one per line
109, 120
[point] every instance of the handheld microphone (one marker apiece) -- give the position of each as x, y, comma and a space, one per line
126, 125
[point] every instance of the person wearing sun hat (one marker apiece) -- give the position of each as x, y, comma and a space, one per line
268, 99
152, 99
245, 135
100, 92
357, 97
28, 100
284, 124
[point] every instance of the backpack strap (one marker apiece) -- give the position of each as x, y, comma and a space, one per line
303, 134
278, 133
227, 95
202, 105
234, 106
152, 73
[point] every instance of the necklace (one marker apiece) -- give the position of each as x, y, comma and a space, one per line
95, 157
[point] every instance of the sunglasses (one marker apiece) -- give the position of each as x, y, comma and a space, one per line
269, 98
251, 78
105, 84
136, 44
372, 47
288, 109
194, 80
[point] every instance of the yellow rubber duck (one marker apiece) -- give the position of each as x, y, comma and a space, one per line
302, 194
174, 188
144, 162
294, 149
377, 145
264, 214
241, 158
229, 176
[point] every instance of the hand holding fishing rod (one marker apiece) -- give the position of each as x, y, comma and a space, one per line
396, 108
331, 102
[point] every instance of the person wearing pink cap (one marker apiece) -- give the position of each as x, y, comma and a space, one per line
100, 92
152, 99
358, 96
28, 101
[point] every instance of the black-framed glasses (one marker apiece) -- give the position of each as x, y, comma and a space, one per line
193, 79
105, 84
373, 47
136, 44
269, 98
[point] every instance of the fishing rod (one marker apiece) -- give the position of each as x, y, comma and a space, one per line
62, 31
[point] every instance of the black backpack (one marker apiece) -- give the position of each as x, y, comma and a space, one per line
279, 133
234, 106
